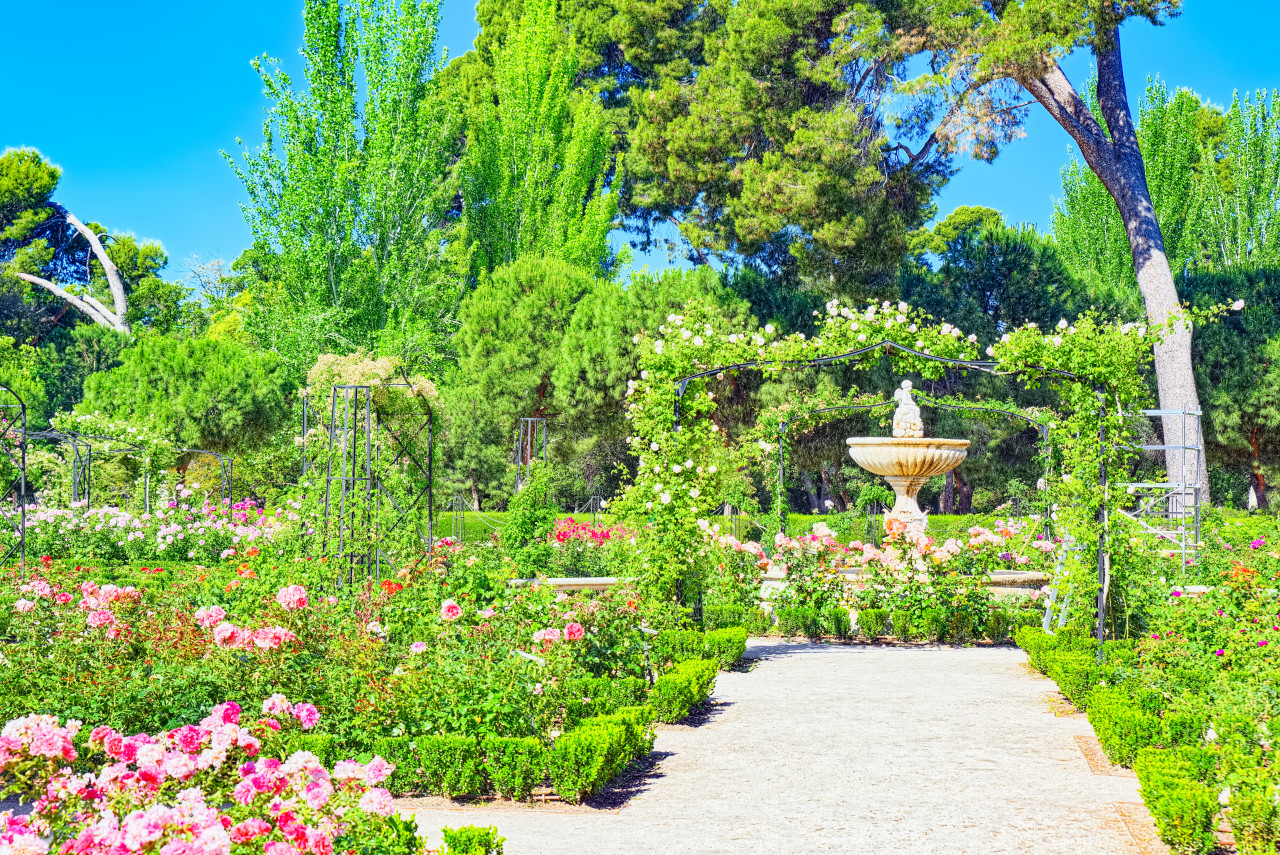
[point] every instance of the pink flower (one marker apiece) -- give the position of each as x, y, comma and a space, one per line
1262, 643
317, 794
574, 632
292, 598
376, 801
250, 829
24, 605
224, 634
307, 714
100, 618
1257, 544
377, 770
277, 704
1218, 652
210, 616
417, 647
277, 847
449, 610
63, 598
41, 588
487, 613
547, 636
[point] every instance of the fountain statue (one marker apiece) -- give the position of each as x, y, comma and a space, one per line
907, 459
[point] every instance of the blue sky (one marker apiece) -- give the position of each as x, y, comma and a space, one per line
136, 103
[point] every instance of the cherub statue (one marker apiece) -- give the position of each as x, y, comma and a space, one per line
906, 419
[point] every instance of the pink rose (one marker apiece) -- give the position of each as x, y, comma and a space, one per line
24, 605
318, 843
449, 610
63, 598
307, 714
547, 636
250, 829
292, 598
377, 770
100, 618
376, 801
277, 847
277, 704
417, 647
41, 588
574, 632
487, 613
210, 616
317, 794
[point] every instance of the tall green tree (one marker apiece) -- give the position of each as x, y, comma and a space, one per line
1238, 204
213, 395
1086, 223
349, 200
537, 161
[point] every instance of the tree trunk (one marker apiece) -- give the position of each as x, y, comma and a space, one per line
806, 479
475, 496
832, 497
964, 490
948, 503
1117, 161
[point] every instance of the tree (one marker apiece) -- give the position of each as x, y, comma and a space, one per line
1086, 223
111, 279
536, 164
349, 201
990, 276
780, 139
977, 58
1238, 203
213, 395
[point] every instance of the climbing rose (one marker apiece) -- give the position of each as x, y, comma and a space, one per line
574, 632
449, 610
292, 598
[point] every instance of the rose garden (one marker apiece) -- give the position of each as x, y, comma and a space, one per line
433, 523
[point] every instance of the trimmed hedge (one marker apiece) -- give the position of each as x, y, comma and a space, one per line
673, 646
400, 752
871, 621
722, 617
726, 646
450, 765
1122, 726
472, 840
683, 687
1075, 673
593, 696
582, 761
514, 765
1184, 809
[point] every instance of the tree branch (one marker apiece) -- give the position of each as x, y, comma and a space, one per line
108, 266
1056, 94
101, 318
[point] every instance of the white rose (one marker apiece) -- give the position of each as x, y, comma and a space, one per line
665, 498
653, 446
1238, 305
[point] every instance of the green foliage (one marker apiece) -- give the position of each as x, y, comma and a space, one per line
472, 840
535, 167
721, 617
1253, 813
579, 762
902, 624
210, 394
513, 765
399, 751
726, 646
1182, 807
1076, 674
872, 621
348, 197
1122, 727
531, 516
673, 646
27, 183
684, 686
450, 765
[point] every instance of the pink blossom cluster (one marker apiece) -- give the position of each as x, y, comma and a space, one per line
306, 714
551, 635
292, 598
568, 529
228, 635
152, 799
449, 610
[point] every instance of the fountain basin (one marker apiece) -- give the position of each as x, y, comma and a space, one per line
907, 463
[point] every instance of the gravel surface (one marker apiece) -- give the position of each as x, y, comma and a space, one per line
850, 749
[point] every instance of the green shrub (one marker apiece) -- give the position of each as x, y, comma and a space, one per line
514, 765
838, 623
1122, 726
935, 624
998, 626
872, 621
591, 696
726, 646
1075, 673
1036, 642
686, 685
673, 646
450, 765
580, 761
1252, 812
758, 622
902, 625
800, 620
472, 840
399, 751
722, 617
1183, 808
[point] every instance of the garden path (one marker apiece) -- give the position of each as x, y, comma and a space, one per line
852, 749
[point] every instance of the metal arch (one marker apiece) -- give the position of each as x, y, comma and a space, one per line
18, 487
987, 366
226, 469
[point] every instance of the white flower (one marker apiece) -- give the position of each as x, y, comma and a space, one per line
671, 319
862, 336
676, 469
1057, 340
733, 338
704, 525
1062, 323
684, 334
711, 469
697, 341
973, 338
694, 493
1238, 305
1004, 337
768, 328
665, 498
657, 488
714, 427
911, 328
648, 506
946, 328
991, 351
635, 339
902, 307
657, 346
657, 469
688, 464
653, 446
644, 375
919, 343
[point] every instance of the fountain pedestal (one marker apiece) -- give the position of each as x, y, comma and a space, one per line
907, 463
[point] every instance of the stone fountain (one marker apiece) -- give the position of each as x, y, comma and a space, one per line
907, 459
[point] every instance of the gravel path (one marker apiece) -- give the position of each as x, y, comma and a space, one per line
852, 749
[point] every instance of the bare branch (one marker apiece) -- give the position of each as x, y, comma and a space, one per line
98, 315
114, 281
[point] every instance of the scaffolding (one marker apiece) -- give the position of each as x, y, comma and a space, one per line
1169, 510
